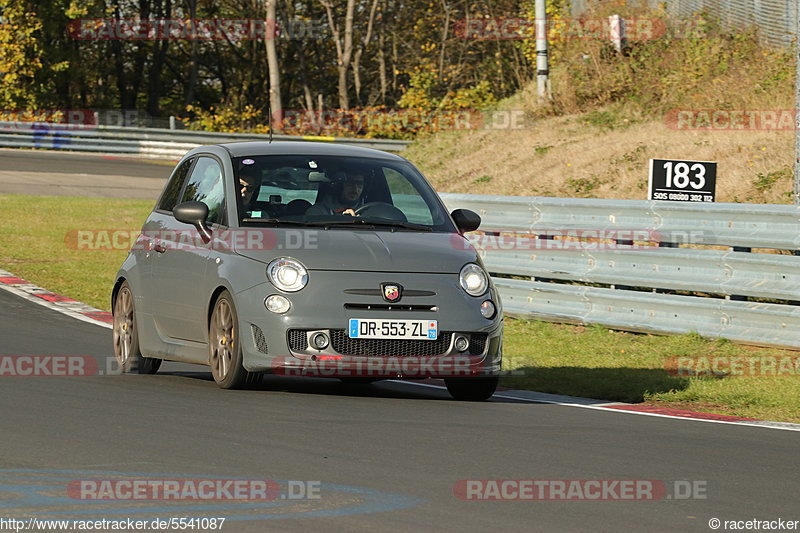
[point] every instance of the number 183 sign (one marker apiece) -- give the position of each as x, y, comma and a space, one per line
682, 181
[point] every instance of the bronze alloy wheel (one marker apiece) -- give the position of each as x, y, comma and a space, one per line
225, 350
126, 336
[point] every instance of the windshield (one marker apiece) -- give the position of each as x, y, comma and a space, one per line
336, 191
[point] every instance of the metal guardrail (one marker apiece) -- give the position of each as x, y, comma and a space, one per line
703, 251
625, 286
147, 142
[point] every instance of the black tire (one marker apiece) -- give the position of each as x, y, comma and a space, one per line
126, 336
225, 347
471, 389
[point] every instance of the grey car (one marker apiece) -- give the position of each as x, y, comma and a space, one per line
308, 259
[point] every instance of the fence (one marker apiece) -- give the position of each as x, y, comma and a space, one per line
697, 273
148, 142
776, 20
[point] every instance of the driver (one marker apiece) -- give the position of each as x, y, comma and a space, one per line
348, 199
249, 187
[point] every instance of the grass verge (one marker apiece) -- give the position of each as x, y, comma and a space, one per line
596, 362
36, 244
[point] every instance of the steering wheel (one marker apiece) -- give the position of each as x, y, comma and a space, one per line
381, 210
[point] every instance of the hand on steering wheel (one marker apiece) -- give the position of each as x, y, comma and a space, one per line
366, 206
383, 210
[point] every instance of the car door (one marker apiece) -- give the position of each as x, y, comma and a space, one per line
182, 258
151, 231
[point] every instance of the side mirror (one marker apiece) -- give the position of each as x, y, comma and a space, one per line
194, 213
466, 220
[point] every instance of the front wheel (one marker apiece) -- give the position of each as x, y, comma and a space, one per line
471, 389
126, 336
225, 347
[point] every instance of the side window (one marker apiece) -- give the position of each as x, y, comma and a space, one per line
206, 185
169, 198
407, 198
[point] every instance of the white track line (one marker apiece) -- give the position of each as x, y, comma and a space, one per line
599, 405
79, 310
74, 309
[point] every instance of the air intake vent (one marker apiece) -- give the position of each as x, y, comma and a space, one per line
298, 340
389, 347
258, 338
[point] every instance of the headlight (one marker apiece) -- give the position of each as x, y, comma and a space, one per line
473, 279
287, 274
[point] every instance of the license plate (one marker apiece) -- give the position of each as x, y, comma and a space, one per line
360, 328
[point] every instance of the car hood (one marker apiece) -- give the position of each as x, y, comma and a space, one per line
364, 250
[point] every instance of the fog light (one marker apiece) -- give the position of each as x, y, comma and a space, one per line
319, 341
462, 343
488, 309
277, 303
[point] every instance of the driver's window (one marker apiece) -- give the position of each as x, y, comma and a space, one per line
407, 198
206, 185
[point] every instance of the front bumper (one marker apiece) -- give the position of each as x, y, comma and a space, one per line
281, 343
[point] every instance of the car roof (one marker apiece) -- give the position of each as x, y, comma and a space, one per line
256, 148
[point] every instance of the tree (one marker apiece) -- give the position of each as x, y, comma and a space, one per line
276, 118
19, 56
343, 39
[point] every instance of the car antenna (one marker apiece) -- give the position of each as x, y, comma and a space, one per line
269, 110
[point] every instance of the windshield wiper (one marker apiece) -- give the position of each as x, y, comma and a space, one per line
404, 225
277, 221
357, 221
350, 221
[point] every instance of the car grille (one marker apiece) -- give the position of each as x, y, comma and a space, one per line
341, 343
344, 345
298, 341
477, 343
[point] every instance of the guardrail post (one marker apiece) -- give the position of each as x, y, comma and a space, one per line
736, 297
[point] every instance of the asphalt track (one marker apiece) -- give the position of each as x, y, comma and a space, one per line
45, 173
388, 456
